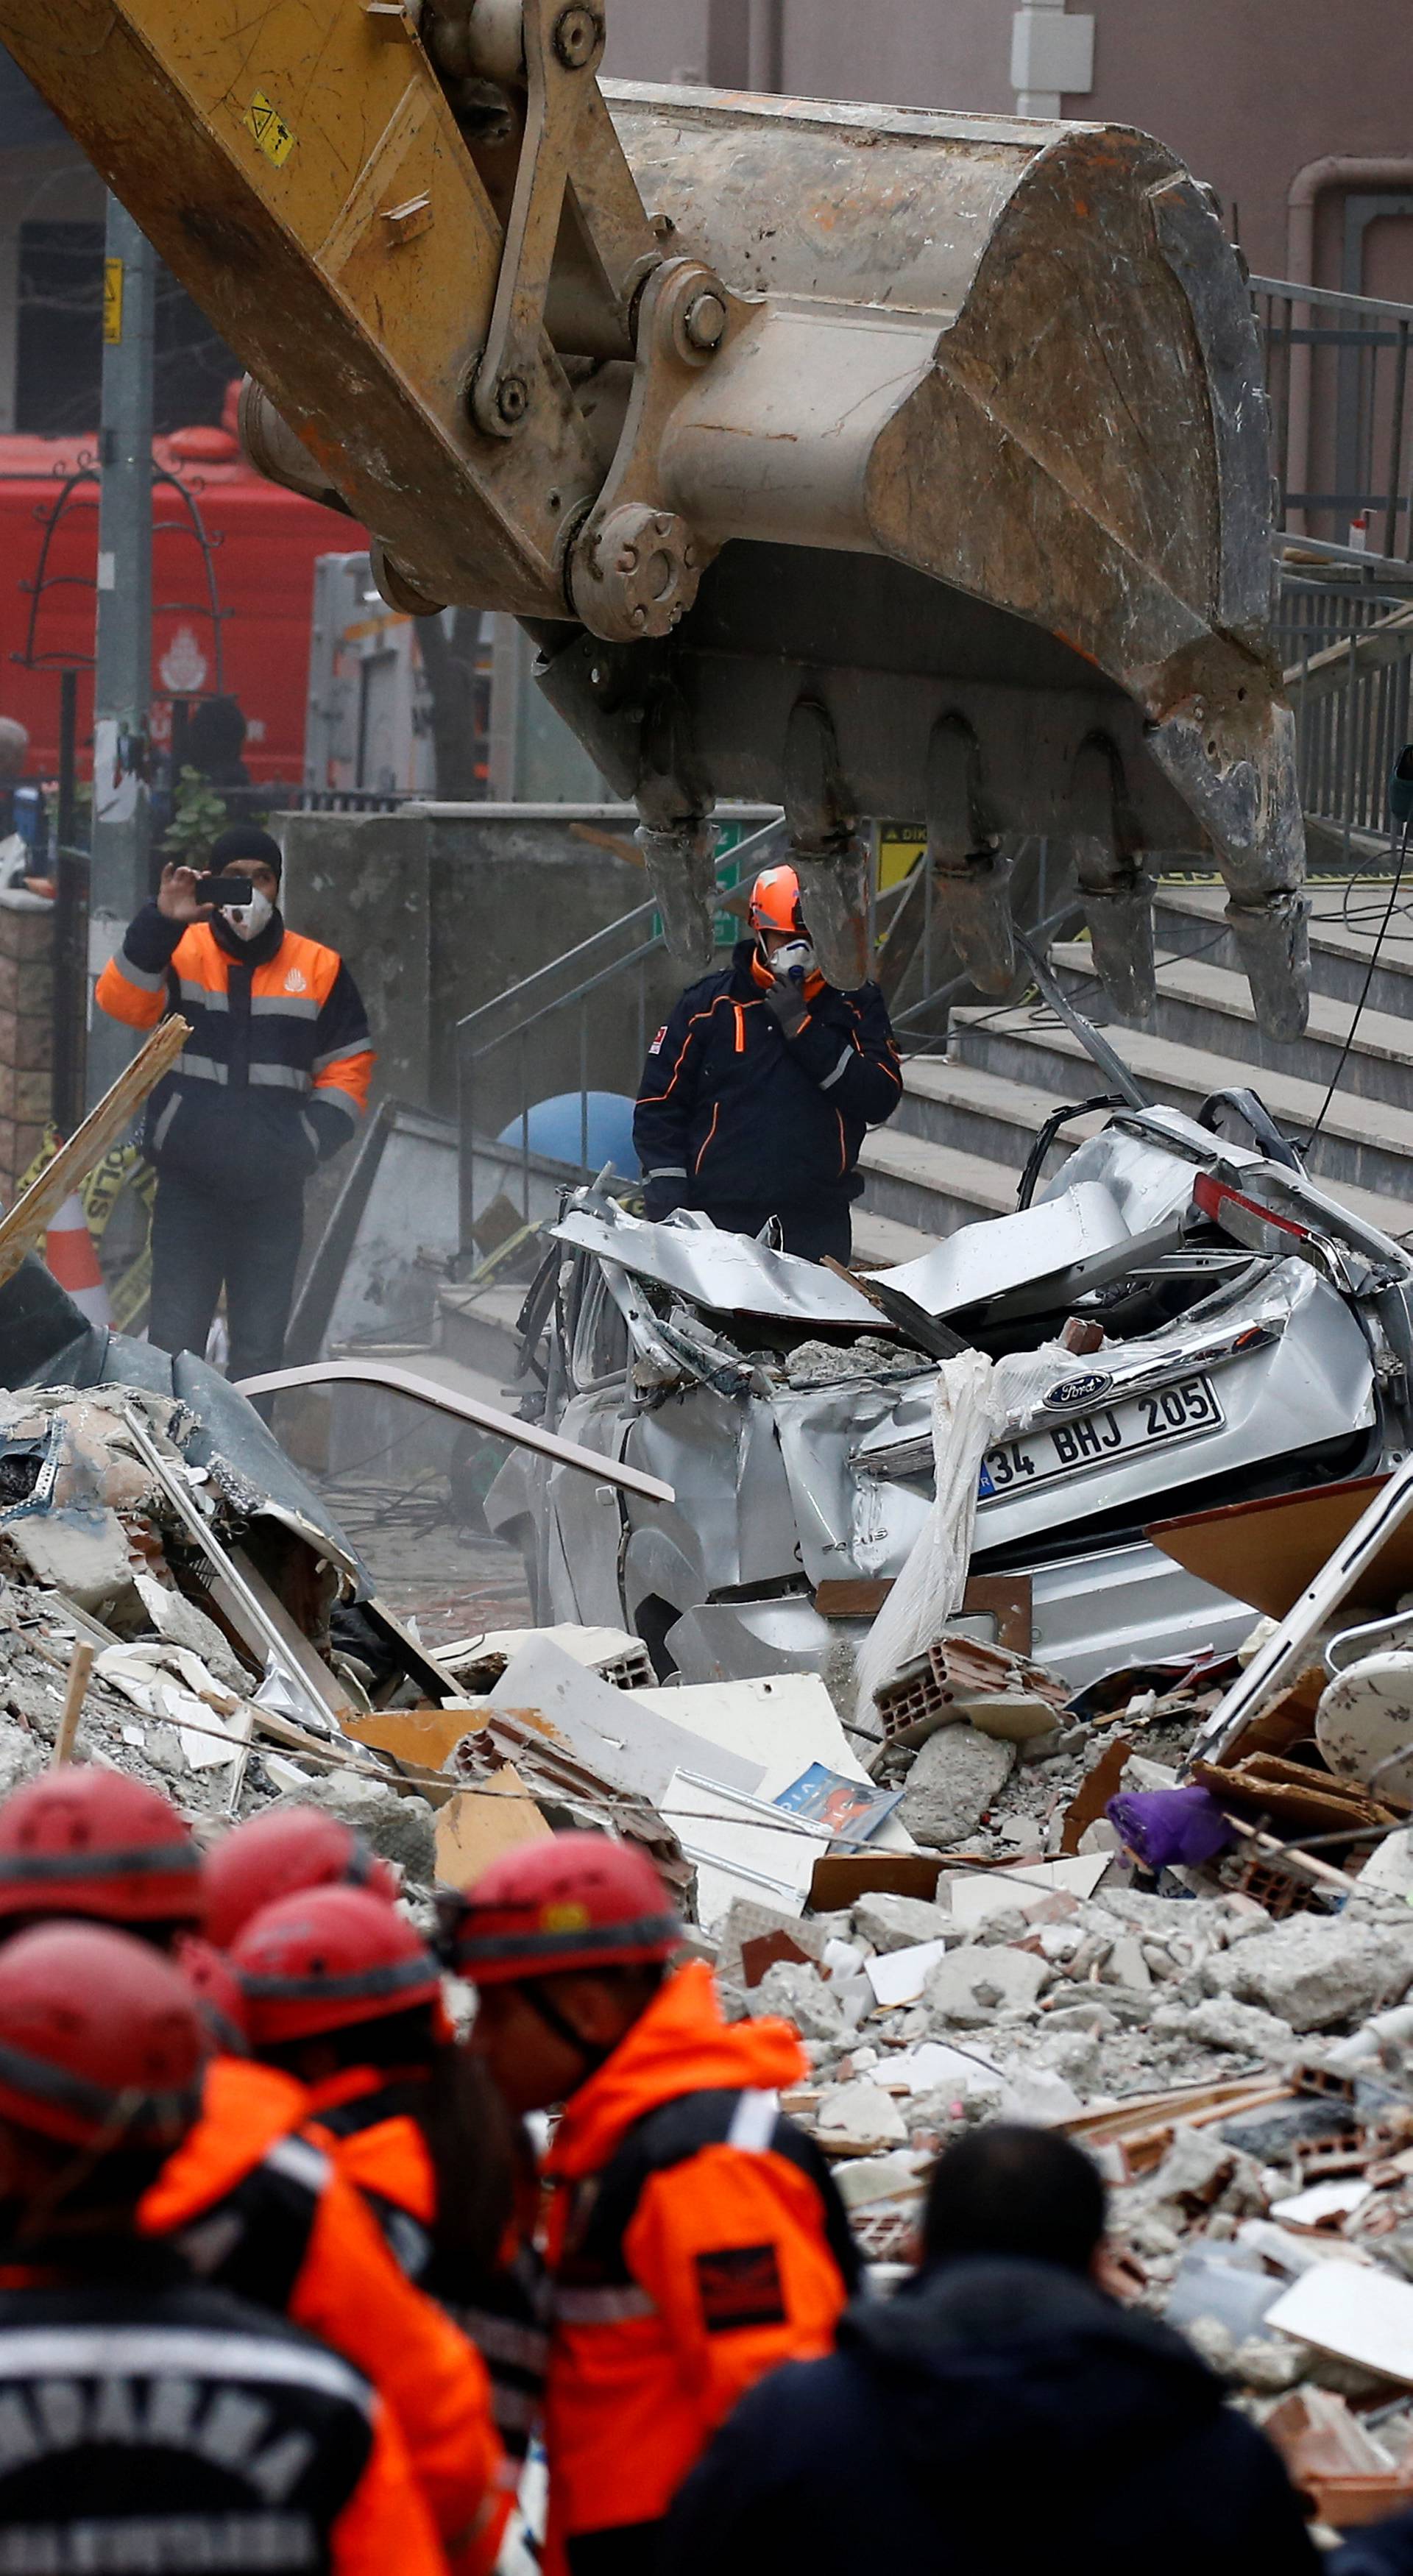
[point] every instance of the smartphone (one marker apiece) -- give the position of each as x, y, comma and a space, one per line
224, 890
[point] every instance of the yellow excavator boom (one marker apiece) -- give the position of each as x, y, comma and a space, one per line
869, 460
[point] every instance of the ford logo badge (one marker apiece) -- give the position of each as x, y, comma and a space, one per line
1080, 1390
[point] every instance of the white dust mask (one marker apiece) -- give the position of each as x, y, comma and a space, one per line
793, 961
247, 920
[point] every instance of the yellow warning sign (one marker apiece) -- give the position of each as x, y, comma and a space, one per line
900, 846
267, 125
112, 301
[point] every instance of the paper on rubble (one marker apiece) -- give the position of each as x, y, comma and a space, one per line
623, 1735
1362, 2316
899, 1976
172, 1685
1323, 2200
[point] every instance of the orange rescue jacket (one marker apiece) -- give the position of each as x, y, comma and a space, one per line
695, 2242
275, 1074
260, 2208
376, 2140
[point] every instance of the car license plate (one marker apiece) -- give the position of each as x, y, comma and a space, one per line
1112, 1431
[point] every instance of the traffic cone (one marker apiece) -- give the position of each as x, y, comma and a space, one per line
72, 1259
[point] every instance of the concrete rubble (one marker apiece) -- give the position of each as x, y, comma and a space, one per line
963, 1925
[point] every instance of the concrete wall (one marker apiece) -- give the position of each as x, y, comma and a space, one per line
438, 912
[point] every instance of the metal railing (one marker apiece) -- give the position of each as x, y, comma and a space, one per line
1341, 420
577, 1026
1353, 701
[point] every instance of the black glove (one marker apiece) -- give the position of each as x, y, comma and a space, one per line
786, 1003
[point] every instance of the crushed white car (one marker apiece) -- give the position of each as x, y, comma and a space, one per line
1239, 1334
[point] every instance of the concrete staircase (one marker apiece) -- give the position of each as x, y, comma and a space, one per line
955, 1149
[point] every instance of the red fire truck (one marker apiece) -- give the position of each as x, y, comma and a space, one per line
232, 590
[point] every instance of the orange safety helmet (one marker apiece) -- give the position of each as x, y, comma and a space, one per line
326, 1959
278, 1853
101, 2044
81, 1840
577, 1900
775, 901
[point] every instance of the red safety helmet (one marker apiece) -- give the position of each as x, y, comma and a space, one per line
326, 1958
576, 1900
100, 2042
277, 1854
86, 1841
215, 1989
775, 901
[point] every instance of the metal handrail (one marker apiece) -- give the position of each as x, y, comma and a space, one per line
526, 1010
598, 939
1290, 290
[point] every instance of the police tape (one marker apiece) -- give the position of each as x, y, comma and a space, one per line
122, 1168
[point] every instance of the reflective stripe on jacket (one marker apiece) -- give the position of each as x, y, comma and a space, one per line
696, 2241
275, 1074
160, 2425
260, 2209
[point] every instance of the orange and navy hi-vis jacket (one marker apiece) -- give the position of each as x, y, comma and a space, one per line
696, 2241
155, 2423
733, 1114
258, 2207
275, 1074
371, 2123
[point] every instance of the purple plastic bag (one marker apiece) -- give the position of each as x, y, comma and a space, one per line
1165, 1825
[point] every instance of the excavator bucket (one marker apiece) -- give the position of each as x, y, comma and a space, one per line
871, 461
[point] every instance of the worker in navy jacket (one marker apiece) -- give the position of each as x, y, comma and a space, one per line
757, 1093
1003, 2415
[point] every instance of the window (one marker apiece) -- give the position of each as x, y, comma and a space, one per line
59, 352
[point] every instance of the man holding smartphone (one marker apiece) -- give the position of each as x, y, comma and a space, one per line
273, 1079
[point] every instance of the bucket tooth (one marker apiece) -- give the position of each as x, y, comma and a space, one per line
1232, 759
834, 897
1273, 940
1112, 886
829, 859
681, 866
963, 850
975, 899
1120, 919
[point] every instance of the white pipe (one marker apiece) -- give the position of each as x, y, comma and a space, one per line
1332, 170
486, 1417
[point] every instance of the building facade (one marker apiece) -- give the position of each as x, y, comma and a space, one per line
1287, 107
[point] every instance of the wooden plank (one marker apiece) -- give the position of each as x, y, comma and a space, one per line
855, 1596
841, 1878
30, 1216
423, 1735
1094, 1792
1268, 1551
1006, 1598
80, 1666
477, 1825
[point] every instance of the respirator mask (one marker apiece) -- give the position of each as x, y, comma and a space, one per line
793, 962
247, 920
